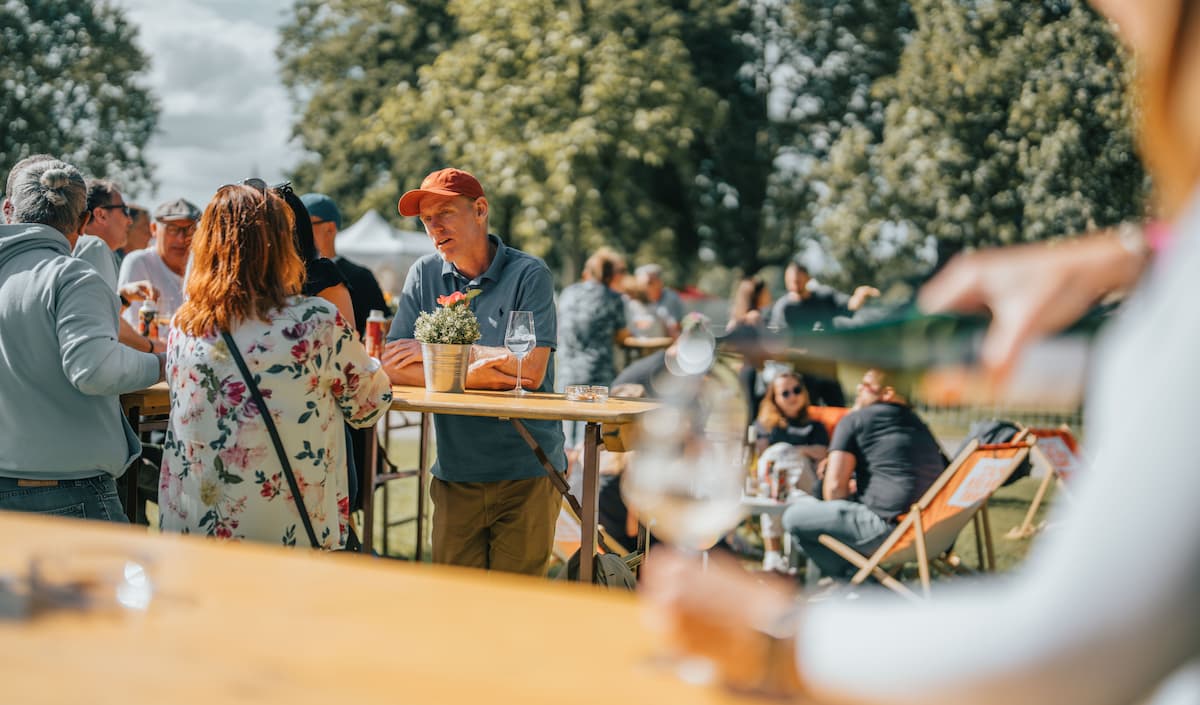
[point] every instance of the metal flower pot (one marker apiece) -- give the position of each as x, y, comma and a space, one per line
445, 366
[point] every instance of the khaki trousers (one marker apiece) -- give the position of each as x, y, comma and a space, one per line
506, 526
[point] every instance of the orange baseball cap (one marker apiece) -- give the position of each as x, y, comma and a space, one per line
443, 182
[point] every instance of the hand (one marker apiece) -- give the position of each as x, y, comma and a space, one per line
401, 353
860, 296
718, 613
1031, 290
483, 356
491, 376
138, 291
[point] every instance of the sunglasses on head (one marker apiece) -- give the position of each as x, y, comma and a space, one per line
794, 391
261, 185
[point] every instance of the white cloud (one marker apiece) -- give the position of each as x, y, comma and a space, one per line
225, 114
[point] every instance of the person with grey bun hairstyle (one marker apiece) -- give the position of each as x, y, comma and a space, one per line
65, 439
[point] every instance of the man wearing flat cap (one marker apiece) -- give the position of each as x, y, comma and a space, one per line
494, 506
163, 265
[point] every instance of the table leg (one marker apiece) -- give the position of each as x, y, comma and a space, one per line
131, 481
589, 511
368, 530
591, 501
422, 469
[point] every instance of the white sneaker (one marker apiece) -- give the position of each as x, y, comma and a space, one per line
773, 561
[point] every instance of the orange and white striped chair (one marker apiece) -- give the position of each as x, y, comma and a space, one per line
929, 529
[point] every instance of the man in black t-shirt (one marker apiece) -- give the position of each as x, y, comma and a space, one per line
365, 293
882, 459
804, 308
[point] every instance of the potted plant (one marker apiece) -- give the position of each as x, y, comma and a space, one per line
446, 335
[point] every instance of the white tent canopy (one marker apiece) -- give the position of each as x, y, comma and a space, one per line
386, 251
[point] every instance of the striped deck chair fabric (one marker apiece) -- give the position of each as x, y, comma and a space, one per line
933, 523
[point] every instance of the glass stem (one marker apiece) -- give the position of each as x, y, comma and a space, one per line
518, 389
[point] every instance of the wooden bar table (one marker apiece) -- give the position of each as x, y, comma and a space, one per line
239, 623
146, 409
616, 415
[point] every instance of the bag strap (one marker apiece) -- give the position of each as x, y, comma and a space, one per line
266, 415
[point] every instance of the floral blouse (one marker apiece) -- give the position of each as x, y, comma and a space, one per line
220, 475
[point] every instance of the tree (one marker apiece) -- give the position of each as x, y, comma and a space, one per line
72, 86
341, 59
579, 120
1006, 122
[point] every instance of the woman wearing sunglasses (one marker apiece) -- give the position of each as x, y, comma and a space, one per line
793, 443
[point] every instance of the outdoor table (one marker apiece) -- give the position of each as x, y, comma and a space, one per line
250, 623
145, 409
615, 414
635, 347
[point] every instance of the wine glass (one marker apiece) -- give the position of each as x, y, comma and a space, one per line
686, 481
519, 338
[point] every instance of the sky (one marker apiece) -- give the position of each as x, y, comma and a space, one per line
224, 113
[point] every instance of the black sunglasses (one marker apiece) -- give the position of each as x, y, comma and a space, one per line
261, 186
797, 391
124, 208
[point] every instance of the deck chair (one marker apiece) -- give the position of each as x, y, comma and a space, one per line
930, 528
1055, 456
829, 416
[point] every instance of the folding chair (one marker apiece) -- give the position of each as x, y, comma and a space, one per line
829, 416
929, 529
1056, 455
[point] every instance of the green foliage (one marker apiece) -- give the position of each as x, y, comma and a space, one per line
71, 85
341, 59
726, 133
1006, 122
574, 117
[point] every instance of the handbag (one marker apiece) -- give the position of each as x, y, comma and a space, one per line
274, 433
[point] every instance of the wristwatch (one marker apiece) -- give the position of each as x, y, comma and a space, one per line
1132, 237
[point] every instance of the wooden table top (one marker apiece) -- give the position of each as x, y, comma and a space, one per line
243, 623
533, 405
655, 343
153, 400
474, 402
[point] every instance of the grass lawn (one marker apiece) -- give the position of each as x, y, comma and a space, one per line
1006, 509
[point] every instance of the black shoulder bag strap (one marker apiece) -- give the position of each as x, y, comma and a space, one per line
266, 415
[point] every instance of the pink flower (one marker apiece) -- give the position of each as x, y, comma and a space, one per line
300, 351
451, 299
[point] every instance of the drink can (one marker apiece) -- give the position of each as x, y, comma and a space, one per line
147, 316
772, 479
781, 481
375, 333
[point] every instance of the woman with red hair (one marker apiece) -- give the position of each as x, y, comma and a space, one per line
222, 475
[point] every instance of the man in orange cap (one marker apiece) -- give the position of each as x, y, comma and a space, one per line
494, 506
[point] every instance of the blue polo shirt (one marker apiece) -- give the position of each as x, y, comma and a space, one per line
473, 448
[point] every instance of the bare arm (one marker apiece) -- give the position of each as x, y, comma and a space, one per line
339, 296
1032, 290
838, 473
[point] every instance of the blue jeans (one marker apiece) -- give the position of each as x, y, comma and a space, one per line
849, 522
90, 498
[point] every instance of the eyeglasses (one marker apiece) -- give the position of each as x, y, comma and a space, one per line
794, 391
179, 230
124, 208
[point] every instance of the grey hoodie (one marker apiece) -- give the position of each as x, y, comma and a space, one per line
61, 367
